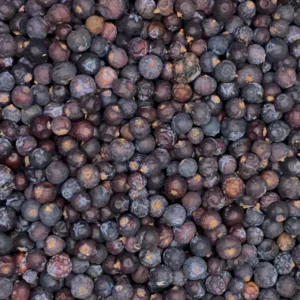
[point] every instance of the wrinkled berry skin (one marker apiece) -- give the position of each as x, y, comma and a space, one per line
6, 182
149, 149
59, 266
